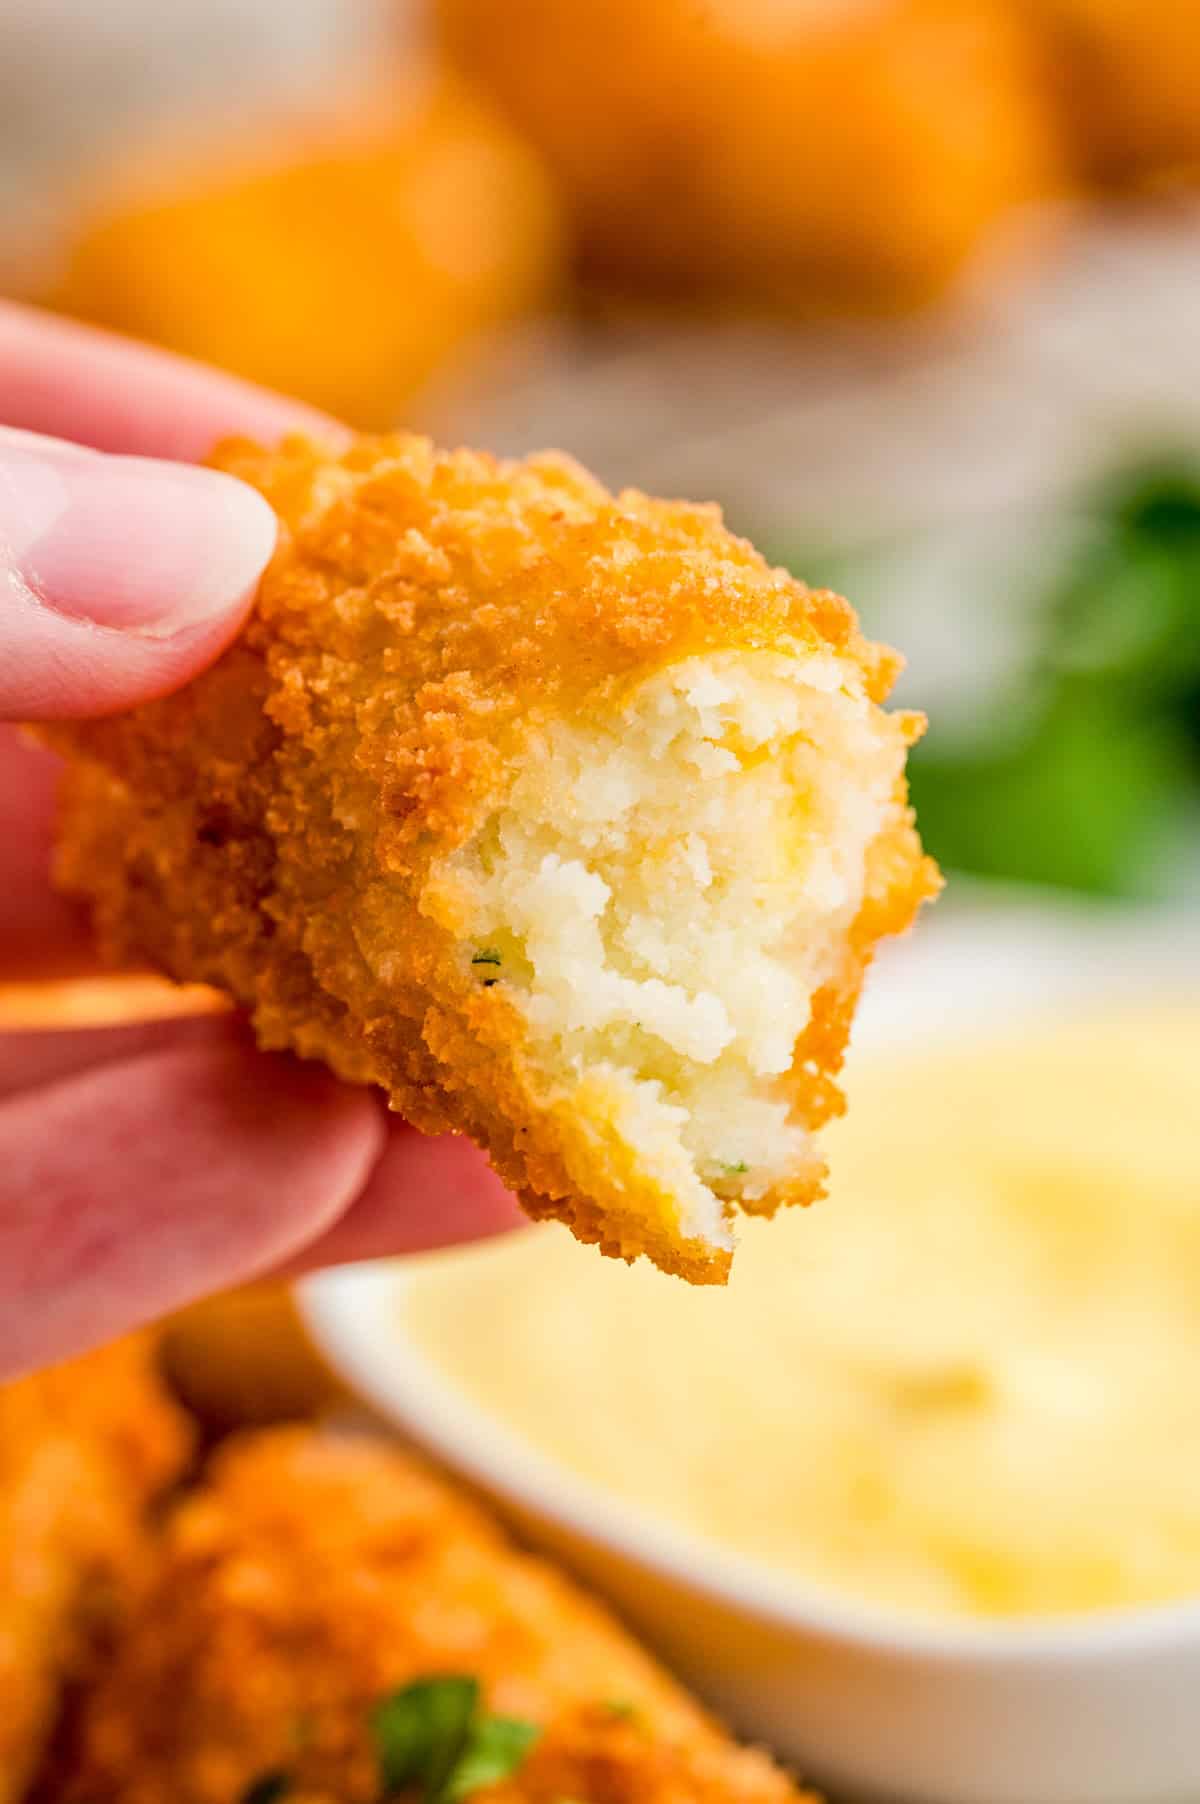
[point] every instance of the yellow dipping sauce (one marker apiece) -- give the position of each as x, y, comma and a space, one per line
969, 1383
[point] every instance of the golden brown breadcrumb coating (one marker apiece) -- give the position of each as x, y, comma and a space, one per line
558, 814
314, 1574
84, 1448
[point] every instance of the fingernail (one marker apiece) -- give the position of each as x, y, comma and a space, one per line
129, 542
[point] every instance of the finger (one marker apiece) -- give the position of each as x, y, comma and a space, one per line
42, 935
120, 577
425, 1192
33, 1057
131, 1190
109, 392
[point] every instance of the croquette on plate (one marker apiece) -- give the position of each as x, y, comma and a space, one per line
84, 1449
560, 815
314, 1576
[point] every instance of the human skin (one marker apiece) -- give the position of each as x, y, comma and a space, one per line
145, 1165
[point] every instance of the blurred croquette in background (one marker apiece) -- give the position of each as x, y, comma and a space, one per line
801, 153
343, 264
809, 157
245, 1357
1129, 85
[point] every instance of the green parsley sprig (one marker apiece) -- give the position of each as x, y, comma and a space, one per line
433, 1740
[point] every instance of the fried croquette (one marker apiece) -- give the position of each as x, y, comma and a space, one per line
311, 1577
1130, 81
84, 1448
809, 155
559, 815
343, 262
244, 1358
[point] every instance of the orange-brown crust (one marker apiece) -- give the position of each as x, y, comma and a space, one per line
83, 1450
267, 828
312, 1575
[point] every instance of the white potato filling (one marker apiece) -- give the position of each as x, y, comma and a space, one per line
664, 891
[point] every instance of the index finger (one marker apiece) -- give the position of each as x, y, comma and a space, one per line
77, 382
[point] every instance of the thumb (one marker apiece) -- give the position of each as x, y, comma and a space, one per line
120, 577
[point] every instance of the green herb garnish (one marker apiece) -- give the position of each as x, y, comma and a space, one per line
432, 1734
487, 955
496, 1748
421, 1731
1083, 768
736, 1169
267, 1788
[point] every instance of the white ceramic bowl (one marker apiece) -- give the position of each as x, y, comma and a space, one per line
1085, 1710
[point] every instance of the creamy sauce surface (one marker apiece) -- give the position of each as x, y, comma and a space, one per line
966, 1383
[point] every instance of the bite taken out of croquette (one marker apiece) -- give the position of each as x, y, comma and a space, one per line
559, 815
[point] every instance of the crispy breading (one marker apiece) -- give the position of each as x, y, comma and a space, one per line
560, 815
84, 1448
315, 1573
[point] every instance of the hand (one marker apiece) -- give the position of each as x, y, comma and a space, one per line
144, 1166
